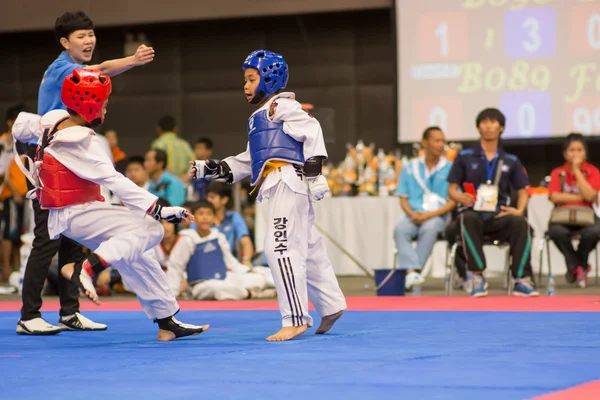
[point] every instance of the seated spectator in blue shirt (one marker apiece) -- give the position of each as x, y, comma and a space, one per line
489, 174
163, 183
230, 223
423, 191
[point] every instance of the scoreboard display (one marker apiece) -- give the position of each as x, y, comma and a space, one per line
538, 61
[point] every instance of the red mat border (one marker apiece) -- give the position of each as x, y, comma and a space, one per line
586, 391
424, 303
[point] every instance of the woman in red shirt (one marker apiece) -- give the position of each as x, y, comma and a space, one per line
576, 183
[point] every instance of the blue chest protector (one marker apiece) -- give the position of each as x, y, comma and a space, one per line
207, 262
268, 141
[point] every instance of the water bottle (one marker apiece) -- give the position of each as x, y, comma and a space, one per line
551, 288
416, 288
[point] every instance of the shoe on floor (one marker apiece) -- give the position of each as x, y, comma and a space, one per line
413, 278
524, 288
36, 326
479, 288
78, 322
581, 277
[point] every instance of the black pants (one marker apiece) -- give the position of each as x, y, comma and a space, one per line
38, 265
512, 229
561, 235
452, 234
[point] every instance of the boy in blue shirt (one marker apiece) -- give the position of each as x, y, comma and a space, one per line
423, 192
230, 223
163, 183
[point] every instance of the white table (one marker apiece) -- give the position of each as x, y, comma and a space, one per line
364, 227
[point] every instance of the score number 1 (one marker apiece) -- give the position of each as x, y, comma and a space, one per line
442, 33
442, 37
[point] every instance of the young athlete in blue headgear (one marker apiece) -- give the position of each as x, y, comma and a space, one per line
285, 153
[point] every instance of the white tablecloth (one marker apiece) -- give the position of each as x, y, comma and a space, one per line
364, 227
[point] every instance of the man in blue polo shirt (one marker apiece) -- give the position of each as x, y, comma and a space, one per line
75, 32
163, 183
481, 180
423, 192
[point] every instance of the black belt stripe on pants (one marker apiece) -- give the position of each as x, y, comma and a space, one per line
287, 291
292, 282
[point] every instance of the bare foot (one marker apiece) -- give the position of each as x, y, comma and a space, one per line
85, 282
166, 336
327, 322
287, 333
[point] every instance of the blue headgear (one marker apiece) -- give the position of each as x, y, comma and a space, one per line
273, 72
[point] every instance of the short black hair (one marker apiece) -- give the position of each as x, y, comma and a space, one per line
492, 114
203, 203
206, 142
219, 188
574, 137
429, 129
188, 204
70, 22
135, 160
13, 112
166, 123
161, 201
160, 156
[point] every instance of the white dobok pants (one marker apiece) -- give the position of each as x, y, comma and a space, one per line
125, 242
296, 255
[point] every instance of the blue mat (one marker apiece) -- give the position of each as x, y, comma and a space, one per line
368, 355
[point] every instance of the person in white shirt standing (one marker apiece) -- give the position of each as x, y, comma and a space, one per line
423, 192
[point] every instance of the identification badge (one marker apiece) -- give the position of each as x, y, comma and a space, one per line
487, 198
432, 202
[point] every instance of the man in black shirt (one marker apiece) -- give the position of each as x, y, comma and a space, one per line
480, 180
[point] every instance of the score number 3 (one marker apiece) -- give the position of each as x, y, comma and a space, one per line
532, 25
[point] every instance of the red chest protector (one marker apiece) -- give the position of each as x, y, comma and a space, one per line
59, 186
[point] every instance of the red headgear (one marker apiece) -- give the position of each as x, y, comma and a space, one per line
84, 91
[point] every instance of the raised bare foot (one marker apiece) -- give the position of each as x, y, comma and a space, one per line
327, 322
287, 333
83, 281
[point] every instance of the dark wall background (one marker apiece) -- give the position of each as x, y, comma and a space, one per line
343, 63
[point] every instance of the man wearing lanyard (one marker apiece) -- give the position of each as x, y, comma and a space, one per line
423, 192
480, 180
75, 32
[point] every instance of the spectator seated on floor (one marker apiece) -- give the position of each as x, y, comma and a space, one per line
230, 223
202, 258
573, 188
423, 192
480, 180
